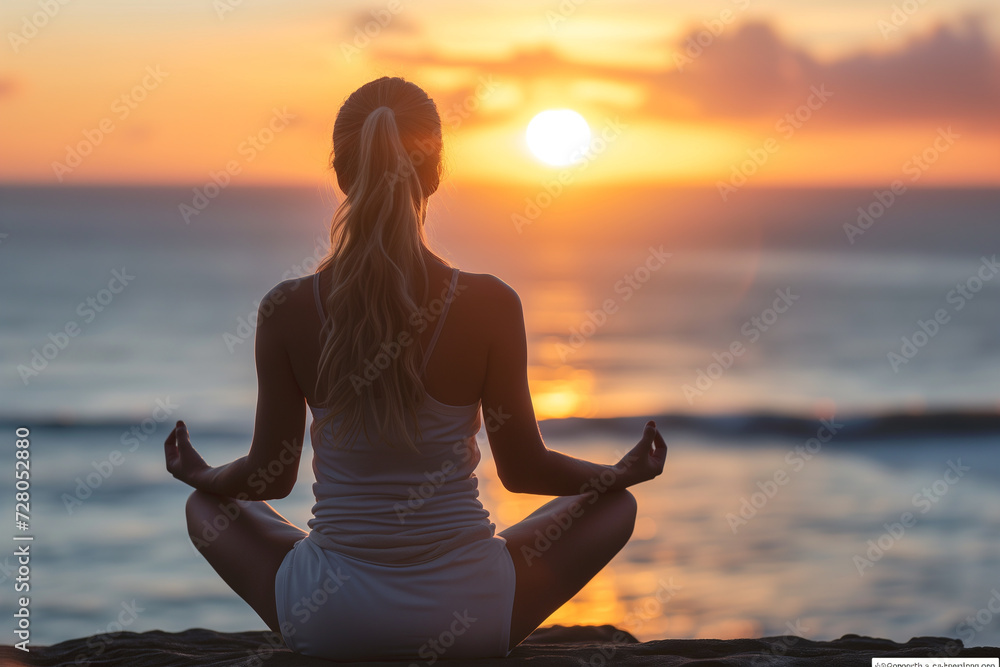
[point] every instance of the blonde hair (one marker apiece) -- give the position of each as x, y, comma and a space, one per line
387, 157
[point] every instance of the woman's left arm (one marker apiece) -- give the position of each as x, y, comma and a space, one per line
270, 469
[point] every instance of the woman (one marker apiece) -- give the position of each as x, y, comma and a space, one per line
401, 560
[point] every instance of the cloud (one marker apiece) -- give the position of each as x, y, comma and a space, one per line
8, 86
524, 69
380, 21
747, 72
950, 73
751, 72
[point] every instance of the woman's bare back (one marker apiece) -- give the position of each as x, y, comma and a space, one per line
456, 371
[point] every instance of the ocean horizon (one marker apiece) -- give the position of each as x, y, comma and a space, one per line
818, 378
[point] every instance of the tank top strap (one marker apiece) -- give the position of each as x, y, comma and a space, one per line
319, 306
440, 322
319, 302
437, 329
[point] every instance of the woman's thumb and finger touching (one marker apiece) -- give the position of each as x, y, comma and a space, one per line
660, 453
652, 449
183, 437
179, 452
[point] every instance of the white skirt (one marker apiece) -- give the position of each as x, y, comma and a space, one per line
455, 606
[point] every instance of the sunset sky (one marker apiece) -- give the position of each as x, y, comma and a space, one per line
825, 92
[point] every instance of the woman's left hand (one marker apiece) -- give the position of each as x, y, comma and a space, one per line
183, 462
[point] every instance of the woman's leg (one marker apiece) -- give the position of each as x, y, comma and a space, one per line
559, 548
245, 542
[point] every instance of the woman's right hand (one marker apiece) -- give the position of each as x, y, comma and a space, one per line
646, 459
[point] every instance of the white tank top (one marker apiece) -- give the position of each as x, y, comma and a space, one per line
395, 506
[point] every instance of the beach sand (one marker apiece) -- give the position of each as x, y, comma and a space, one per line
550, 646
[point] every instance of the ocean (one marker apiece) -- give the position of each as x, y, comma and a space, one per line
822, 365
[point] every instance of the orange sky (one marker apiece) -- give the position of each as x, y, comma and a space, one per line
697, 93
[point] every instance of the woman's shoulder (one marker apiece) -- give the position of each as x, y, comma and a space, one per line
490, 294
488, 285
289, 290
286, 302
489, 301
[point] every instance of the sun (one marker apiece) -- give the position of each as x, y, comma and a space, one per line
558, 137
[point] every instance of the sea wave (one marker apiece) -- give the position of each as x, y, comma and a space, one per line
752, 426
764, 425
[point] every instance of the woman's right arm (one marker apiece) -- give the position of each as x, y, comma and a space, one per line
524, 463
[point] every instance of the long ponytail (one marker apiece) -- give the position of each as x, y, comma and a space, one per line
387, 160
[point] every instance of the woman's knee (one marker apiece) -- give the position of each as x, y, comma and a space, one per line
629, 505
198, 503
622, 508
209, 515
622, 502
